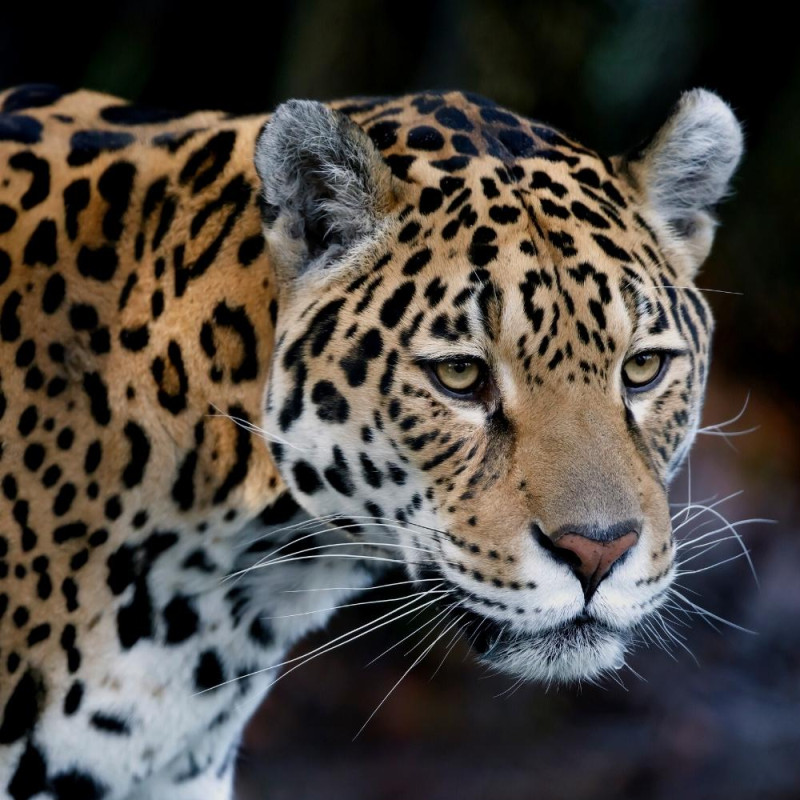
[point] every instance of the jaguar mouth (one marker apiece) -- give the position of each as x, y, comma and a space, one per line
581, 648
485, 634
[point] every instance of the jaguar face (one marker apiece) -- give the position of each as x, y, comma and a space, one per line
494, 371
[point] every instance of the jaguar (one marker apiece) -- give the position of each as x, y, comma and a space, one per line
248, 363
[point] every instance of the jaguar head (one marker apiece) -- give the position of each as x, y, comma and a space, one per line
491, 356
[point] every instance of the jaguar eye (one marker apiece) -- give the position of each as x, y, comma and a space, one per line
642, 370
460, 377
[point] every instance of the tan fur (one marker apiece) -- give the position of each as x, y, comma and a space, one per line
171, 436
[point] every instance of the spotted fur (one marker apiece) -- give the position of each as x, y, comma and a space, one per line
162, 274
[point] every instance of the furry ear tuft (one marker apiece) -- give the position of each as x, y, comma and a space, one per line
325, 185
686, 168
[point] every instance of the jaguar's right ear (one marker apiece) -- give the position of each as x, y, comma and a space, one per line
687, 167
325, 186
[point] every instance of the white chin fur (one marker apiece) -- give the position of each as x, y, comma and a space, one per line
558, 656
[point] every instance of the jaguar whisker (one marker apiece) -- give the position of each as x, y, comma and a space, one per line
403, 676
382, 601
335, 643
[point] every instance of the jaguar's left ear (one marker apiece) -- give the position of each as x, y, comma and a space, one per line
686, 169
325, 186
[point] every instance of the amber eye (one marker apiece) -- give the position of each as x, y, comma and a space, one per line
641, 371
460, 377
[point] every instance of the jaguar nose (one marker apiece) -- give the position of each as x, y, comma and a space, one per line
592, 553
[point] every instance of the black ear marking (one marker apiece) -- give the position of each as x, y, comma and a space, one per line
325, 186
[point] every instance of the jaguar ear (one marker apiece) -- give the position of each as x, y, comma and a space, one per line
686, 168
325, 186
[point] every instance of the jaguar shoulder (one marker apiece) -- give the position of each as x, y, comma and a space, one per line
240, 355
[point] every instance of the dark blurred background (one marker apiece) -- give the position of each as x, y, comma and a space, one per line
606, 72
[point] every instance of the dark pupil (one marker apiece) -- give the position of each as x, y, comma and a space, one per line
642, 359
460, 366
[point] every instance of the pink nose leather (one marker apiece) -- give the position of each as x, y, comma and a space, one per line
592, 559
